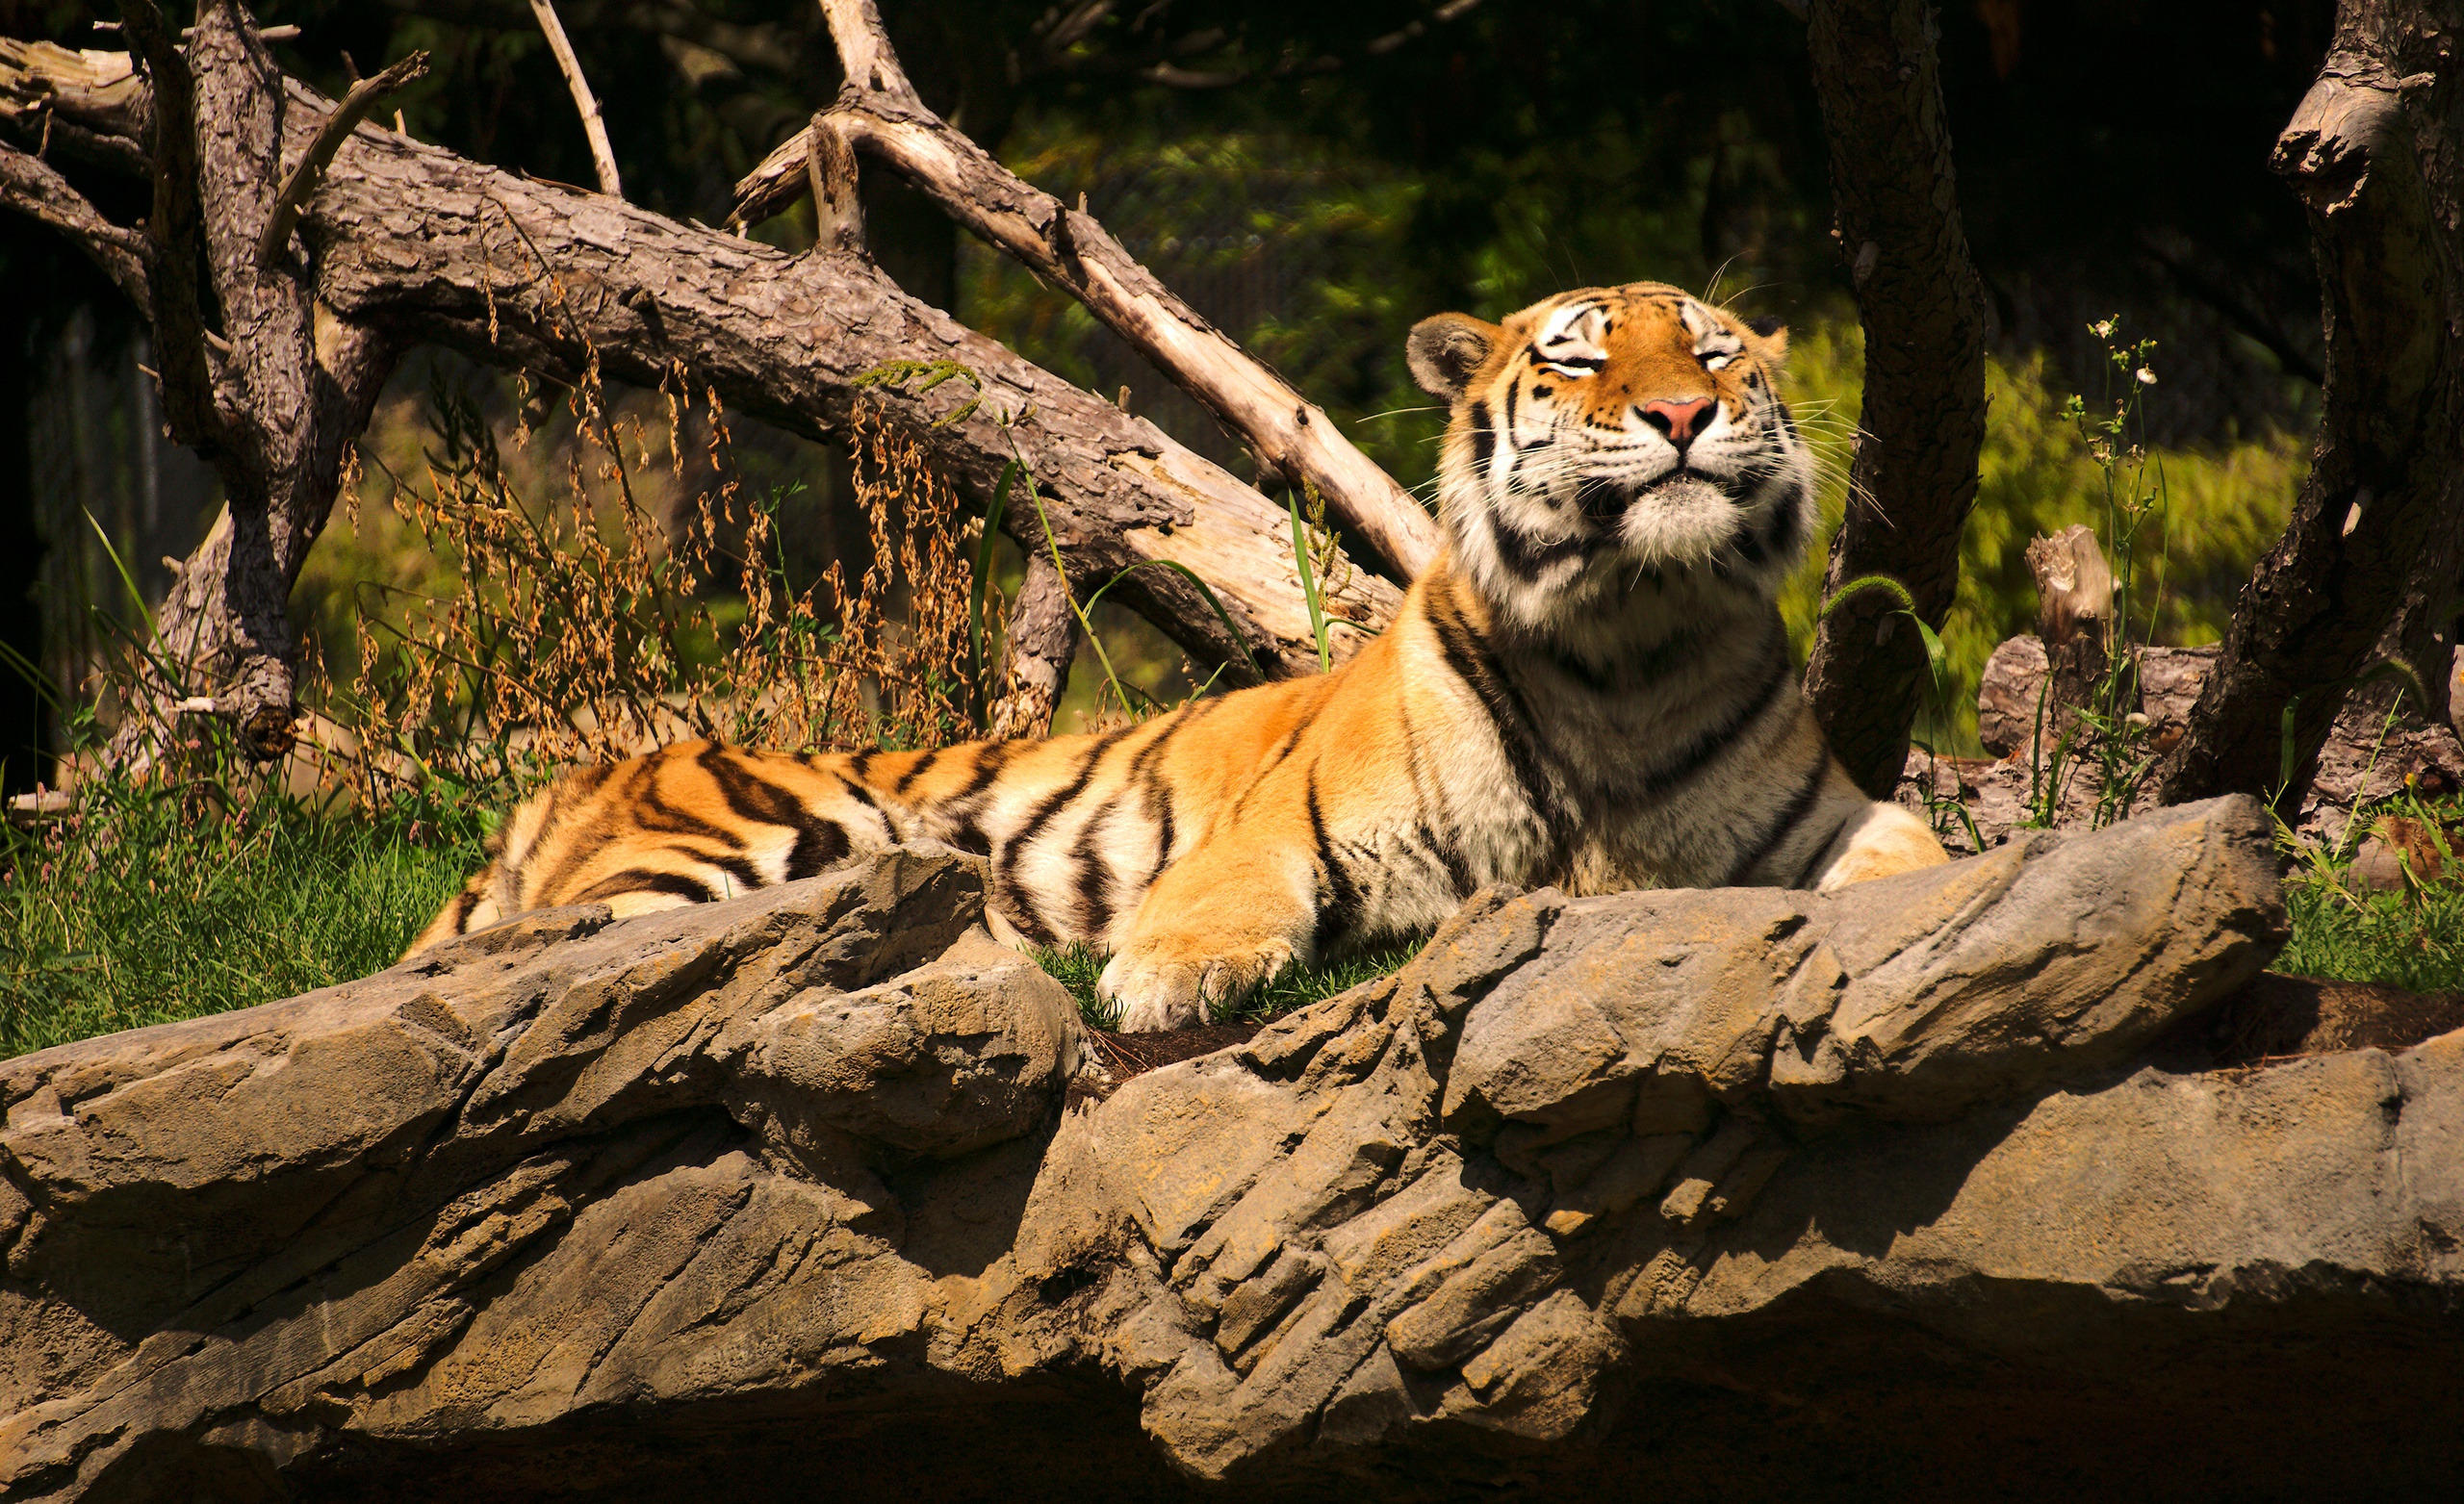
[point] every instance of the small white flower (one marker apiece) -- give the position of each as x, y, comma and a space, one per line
2103, 329
2146, 377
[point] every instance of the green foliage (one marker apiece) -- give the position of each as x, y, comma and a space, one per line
2224, 505
2412, 937
162, 902
1078, 966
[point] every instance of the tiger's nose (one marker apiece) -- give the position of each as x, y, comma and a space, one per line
1676, 420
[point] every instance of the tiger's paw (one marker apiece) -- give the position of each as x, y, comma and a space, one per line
1162, 983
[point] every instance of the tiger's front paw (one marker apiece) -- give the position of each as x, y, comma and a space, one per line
1162, 983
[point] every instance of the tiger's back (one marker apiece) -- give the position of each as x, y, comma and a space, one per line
1591, 688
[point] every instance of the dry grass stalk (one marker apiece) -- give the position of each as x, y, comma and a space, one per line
584, 627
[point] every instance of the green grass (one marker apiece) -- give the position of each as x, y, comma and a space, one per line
153, 905
2411, 938
1077, 966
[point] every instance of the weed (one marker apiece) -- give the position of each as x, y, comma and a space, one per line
2108, 738
2409, 936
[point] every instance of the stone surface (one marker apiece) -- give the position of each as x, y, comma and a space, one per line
793, 1194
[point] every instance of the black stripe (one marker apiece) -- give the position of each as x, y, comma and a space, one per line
1274, 759
1749, 546
1484, 440
1507, 427
599, 832
1163, 841
990, 759
923, 766
1340, 909
1458, 871
1095, 875
1719, 738
1507, 715
1525, 558
467, 901
640, 880
1601, 501
1156, 798
1005, 865
1804, 874
821, 843
1794, 811
651, 811
855, 790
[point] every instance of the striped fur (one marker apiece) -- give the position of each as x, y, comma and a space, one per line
1591, 688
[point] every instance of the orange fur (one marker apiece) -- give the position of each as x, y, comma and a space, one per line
1590, 688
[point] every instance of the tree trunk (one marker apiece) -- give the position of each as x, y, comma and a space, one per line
273, 400
1914, 476
2367, 568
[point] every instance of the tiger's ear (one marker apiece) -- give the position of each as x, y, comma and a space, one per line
1445, 350
1773, 336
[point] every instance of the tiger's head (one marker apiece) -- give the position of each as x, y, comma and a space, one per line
1608, 437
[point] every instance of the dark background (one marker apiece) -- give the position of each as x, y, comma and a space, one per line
2112, 157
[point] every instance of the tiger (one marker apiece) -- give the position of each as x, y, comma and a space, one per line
1590, 687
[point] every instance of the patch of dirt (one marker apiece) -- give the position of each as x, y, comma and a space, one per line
1123, 1057
2279, 1017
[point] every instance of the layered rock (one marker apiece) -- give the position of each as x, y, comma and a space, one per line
782, 1192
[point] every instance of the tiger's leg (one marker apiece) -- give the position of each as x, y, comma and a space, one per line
1218, 923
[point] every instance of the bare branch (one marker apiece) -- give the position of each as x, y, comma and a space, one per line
602, 156
1069, 250
417, 246
303, 182
1413, 31
865, 51
30, 186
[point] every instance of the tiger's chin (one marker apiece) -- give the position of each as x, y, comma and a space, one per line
1681, 524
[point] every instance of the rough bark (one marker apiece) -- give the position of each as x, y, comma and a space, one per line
408, 243
1914, 474
2367, 566
1035, 652
273, 398
574, 1206
879, 112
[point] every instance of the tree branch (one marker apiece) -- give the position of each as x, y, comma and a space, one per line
1914, 476
1069, 250
1043, 638
602, 156
303, 182
30, 186
414, 244
176, 231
